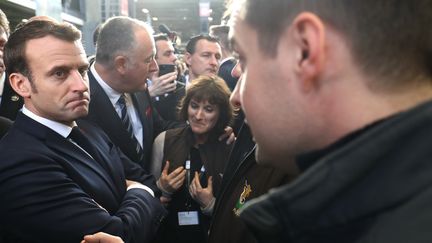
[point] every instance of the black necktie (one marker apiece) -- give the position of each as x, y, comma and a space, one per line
78, 137
128, 125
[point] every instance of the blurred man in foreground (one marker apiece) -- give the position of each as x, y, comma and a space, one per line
345, 91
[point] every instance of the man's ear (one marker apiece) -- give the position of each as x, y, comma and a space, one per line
309, 38
188, 58
120, 64
21, 84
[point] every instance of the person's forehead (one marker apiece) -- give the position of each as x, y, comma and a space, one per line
52, 49
163, 44
203, 101
203, 45
146, 45
241, 34
237, 20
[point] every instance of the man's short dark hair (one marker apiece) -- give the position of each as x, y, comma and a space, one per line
14, 53
96, 34
161, 36
388, 38
191, 45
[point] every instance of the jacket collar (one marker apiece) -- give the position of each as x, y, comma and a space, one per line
367, 175
61, 145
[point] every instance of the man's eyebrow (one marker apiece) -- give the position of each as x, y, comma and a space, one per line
59, 67
67, 67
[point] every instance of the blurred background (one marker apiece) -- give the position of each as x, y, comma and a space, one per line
180, 19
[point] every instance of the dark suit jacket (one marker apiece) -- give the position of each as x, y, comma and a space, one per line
5, 124
54, 192
225, 73
11, 102
102, 113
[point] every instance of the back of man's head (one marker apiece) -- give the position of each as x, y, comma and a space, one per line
221, 33
116, 36
14, 53
389, 39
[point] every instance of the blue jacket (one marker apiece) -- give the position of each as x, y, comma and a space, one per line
54, 192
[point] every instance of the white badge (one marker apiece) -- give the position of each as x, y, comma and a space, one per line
188, 218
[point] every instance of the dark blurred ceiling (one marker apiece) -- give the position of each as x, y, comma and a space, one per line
15, 13
181, 16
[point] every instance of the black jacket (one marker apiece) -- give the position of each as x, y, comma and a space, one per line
242, 181
377, 187
11, 102
102, 113
55, 192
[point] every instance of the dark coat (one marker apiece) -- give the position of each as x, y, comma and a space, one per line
214, 154
57, 193
225, 73
102, 113
167, 104
11, 102
375, 188
241, 174
5, 124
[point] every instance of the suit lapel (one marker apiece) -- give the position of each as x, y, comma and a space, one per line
145, 110
69, 152
104, 115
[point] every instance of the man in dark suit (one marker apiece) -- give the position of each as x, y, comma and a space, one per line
123, 63
5, 124
167, 88
62, 178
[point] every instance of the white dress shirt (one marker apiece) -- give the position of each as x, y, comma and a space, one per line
114, 96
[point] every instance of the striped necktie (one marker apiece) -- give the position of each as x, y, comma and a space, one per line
128, 125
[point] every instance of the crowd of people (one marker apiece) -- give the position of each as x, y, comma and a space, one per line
296, 121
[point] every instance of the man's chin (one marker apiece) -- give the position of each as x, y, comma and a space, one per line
265, 157
80, 111
260, 156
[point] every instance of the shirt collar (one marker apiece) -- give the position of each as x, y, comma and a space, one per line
225, 60
111, 93
57, 127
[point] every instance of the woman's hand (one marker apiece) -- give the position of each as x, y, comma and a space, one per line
203, 196
170, 183
228, 135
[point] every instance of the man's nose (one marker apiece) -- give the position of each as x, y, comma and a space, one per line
80, 81
153, 66
214, 61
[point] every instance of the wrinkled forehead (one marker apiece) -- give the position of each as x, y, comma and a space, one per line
53, 50
237, 14
162, 45
204, 45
